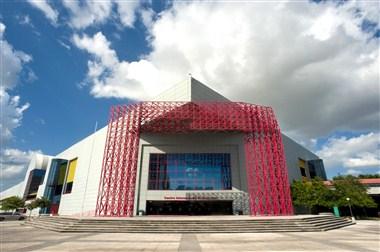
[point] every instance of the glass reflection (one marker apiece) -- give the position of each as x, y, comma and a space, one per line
189, 171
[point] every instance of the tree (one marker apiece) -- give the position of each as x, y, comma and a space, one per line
364, 176
311, 193
360, 176
30, 206
43, 202
350, 187
12, 203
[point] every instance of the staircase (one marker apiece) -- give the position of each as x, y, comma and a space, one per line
170, 225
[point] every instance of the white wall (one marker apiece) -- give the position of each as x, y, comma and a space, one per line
179, 92
16, 190
38, 161
190, 90
89, 151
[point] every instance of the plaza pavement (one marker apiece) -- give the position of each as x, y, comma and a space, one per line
363, 237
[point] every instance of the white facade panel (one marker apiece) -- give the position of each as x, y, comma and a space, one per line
190, 90
89, 151
16, 190
200, 92
179, 92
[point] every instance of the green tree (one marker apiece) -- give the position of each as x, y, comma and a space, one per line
364, 176
311, 193
43, 202
350, 187
30, 206
360, 176
39, 202
12, 203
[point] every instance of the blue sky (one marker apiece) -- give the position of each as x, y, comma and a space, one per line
64, 64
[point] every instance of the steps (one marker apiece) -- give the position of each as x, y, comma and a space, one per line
170, 225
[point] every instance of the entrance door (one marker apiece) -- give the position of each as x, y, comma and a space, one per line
189, 207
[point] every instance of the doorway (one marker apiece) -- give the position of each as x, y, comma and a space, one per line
189, 207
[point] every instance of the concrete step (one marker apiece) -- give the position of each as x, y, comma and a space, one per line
327, 228
135, 225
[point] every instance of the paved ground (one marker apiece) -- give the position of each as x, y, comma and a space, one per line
363, 237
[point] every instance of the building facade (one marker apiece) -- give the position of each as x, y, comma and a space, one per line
190, 151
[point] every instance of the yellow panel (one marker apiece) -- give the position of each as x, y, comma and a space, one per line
61, 174
301, 163
72, 167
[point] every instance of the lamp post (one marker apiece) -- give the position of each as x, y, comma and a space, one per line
349, 205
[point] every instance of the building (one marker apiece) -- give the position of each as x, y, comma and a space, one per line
190, 151
373, 190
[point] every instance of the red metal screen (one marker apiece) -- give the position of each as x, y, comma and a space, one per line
267, 178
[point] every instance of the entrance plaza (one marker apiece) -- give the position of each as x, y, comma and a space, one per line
364, 236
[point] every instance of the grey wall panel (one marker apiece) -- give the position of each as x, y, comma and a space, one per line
294, 151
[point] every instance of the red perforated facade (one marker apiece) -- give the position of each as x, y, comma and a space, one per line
267, 177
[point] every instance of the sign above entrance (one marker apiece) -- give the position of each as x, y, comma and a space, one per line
190, 197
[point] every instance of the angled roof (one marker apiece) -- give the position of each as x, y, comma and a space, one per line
190, 90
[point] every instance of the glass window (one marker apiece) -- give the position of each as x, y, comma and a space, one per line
70, 175
303, 172
189, 171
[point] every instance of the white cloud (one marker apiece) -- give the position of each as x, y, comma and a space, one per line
2, 29
126, 11
13, 165
45, 7
12, 161
91, 12
88, 12
64, 44
352, 153
25, 20
11, 62
309, 61
11, 115
110, 77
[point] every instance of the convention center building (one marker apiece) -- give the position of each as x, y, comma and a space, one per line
190, 151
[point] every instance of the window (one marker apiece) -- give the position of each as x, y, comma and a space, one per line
316, 168
70, 175
36, 177
303, 172
302, 166
61, 178
189, 171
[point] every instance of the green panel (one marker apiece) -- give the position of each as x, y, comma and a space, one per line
336, 211
62, 173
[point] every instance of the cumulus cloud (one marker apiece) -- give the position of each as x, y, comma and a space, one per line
312, 62
353, 153
92, 12
110, 77
11, 66
45, 7
126, 11
12, 161
13, 165
11, 115
11, 62
88, 12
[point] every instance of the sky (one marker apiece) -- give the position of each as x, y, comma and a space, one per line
64, 63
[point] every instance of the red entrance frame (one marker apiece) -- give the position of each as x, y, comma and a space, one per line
267, 175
